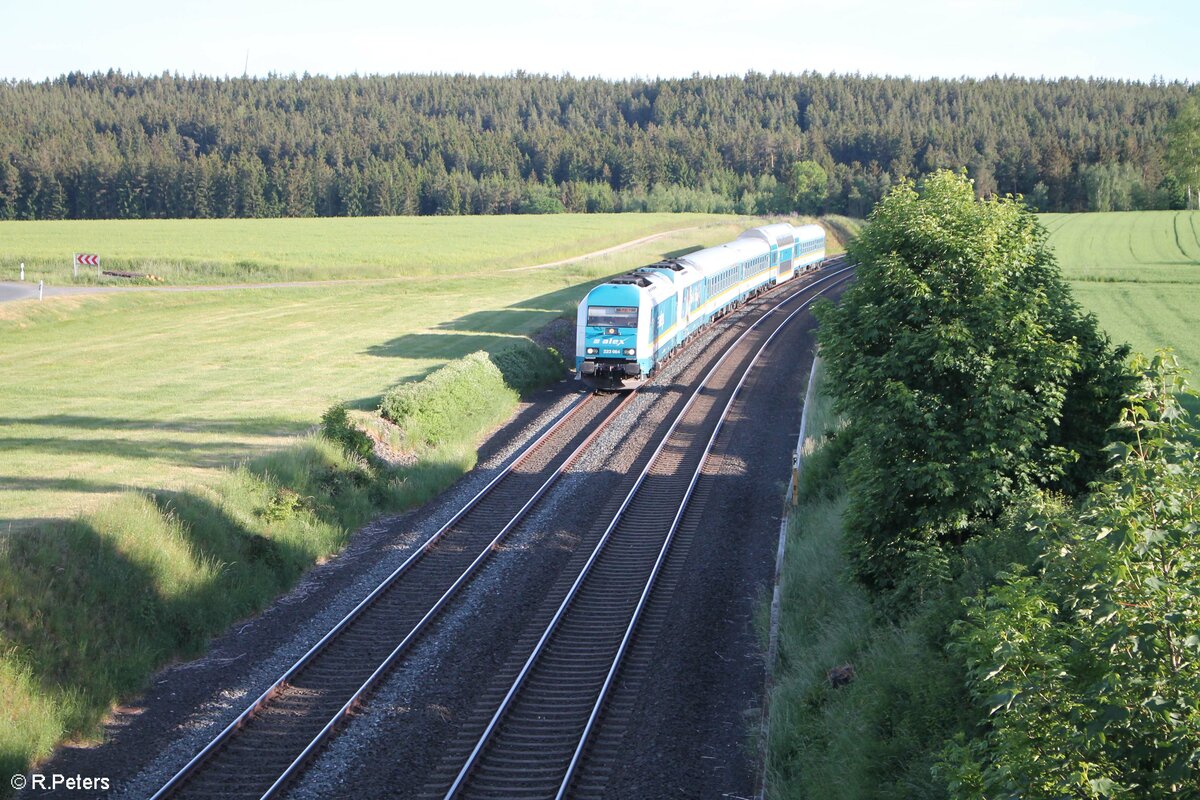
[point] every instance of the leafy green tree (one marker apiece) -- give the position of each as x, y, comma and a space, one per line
809, 184
1090, 665
1183, 148
954, 355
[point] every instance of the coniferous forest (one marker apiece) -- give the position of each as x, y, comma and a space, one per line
124, 146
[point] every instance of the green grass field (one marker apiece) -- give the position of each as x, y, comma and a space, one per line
1139, 272
146, 390
248, 250
1128, 246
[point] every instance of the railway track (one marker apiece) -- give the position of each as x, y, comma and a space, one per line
536, 739
275, 736
271, 740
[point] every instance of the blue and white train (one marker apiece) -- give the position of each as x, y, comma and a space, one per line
629, 325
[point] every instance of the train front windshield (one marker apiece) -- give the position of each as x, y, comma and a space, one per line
612, 316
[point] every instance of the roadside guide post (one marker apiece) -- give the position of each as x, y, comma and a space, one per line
41, 286
22, 270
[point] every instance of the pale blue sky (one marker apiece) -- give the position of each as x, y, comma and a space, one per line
615, 38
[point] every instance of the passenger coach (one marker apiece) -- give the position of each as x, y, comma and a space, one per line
629, 325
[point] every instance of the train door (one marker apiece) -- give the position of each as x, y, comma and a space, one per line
656, 325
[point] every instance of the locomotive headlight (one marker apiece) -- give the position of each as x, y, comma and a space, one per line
629, 351
591, 351
611, 332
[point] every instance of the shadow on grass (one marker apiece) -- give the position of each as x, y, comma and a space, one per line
436, 345
514, 320
255, 565
253, 426
844, 230
92, 607
9, 483
201, 454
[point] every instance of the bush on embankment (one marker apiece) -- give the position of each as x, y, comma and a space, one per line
90, 608
459, 401
986, 611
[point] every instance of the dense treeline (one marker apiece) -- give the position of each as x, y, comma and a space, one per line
122, 146
1023, 509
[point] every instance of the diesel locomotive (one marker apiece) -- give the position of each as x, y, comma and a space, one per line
629, 325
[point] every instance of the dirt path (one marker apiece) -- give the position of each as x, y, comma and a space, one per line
616, 248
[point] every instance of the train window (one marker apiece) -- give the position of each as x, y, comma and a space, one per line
613, 316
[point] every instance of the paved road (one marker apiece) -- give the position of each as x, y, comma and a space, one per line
17, 291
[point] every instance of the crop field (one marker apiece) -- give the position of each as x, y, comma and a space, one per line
246, 250
1128, 246
149, 390
1139, 272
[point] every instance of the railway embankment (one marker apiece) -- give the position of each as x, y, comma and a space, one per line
991, 580
101, 602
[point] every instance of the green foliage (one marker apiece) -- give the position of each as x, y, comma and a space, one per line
541, 200
1113, 186
956, 355
336, 425
467, 395
525, 366
1090, 664
1183, 147
880, 735
106, 145
809, 186
460, 395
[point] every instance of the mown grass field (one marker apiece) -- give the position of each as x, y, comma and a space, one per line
1139, 272
145, 390
246, 250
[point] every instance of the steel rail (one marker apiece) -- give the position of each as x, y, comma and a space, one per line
662, 555
505, 704
227, 733
386, 665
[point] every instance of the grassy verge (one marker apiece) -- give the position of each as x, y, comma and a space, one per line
864, 706
877, 733
92, 607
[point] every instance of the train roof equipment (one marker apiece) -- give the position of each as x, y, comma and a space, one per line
779, 234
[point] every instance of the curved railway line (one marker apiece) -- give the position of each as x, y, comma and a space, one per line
536, 739
273, 738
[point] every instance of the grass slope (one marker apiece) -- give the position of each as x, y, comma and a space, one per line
253, 250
